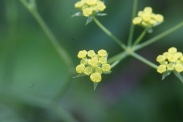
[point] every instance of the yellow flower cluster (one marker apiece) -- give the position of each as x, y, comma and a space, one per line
90, 7
93, 64
170, 61
147, 18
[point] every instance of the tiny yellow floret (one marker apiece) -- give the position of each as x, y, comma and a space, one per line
91, 53
82, 54
161, 68
88, 70
179, 68
102, 52
172, 50
100, 6
106, 67
95, 77
80, 68
87, 12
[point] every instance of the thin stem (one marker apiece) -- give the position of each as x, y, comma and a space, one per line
179, 76
109, 33
144, 60
130, 38
117, 58
63, 53
156, 38
140, 37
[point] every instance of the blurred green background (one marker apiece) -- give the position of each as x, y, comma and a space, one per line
32, 72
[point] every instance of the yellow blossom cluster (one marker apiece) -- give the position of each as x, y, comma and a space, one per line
170, 61
147, 18
93, 64
90, 7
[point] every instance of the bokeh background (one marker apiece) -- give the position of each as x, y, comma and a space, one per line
32, 72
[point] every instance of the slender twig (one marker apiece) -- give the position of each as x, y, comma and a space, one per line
158, 37
144, 60
130, 38
117, 58
179, 76
109, 33
31, 6
140, 37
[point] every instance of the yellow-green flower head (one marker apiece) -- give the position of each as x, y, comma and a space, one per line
170, 61
90, 7
147, 18
93, 64
96, 77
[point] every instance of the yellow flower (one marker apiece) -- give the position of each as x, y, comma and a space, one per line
91, 53
148, 10
103, 60
161, 68
90, 7
79, 4
80, 68
160, 58
137, 20
102, 52
87, 12
170, 60
91, 2
159, 18
106, 67
172, 50
100, 6
170, 66
95, 77
179, 67
82, 54
88, 70
92, 64
147, 18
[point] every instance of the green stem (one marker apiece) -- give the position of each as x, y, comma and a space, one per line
63, 53
117, 58
109, 33
156, 38
179, 76
144, 60
140, 37
130, 38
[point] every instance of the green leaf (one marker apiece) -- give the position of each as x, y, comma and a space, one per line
80, 75
165, 74
77, 14
101, 14
89, 19
95, 85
